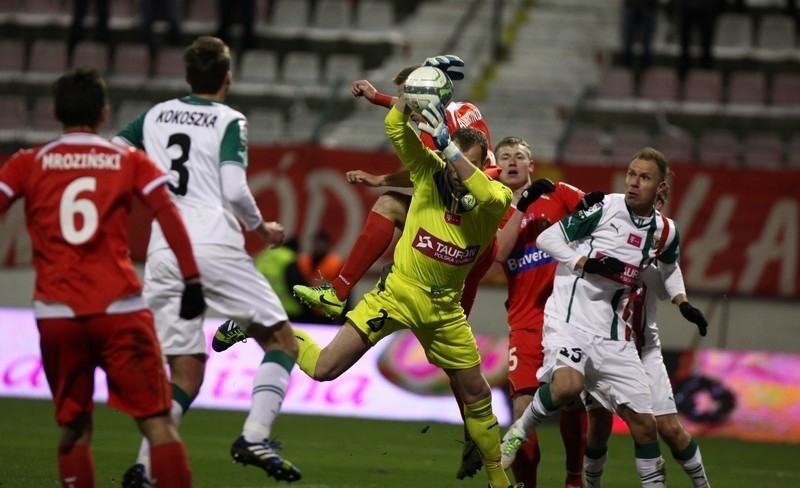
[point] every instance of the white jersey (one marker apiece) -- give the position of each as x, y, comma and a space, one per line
599, 303
191, 138
645, 308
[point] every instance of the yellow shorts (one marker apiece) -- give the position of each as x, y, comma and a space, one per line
436, 319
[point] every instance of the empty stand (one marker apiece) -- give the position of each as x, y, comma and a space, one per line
12, 58
42, 119
733, 36
169, 63
660, 83
131, 63
718, 148
13, 113
332, 14
47, 57
301, 67
627, 142
91, 54
776, 37
347, 67
747, 87
793, 152
677, 147
616, 83
785, 89
586, 144
374, 15
290, 14
265, 125
703, 86
762, 151
258, 66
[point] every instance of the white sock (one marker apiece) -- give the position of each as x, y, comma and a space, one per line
269, 388
540, 408
652, 472
176, 412
694, 466
593, 467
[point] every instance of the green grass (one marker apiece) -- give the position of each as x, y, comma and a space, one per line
347, 453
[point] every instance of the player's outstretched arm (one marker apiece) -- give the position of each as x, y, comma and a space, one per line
401, 179
363, 88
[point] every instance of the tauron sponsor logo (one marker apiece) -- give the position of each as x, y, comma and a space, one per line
445, 252
199, 119
532, 257
90, 160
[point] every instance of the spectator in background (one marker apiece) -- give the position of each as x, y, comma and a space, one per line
171, 10
321, 261
279, 265
77, 30
88, 300
696, 16
226, 12
638, 26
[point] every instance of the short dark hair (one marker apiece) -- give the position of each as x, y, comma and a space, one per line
402, 75
513, 141
656, 156
466, 137
207, 61
80, 96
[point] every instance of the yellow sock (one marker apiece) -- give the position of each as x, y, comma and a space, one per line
308, 353
485, 432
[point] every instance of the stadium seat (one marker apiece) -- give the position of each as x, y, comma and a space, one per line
374, 15
265, 126
12, 58
203, 11
91, 54
762, 151
343, 66
733, 37
586, 145
13, 113
616, 83
332, 14
703, 86
42, 119
785, 89
747, 87
169, 63
776, 37
677, 147
131, 63
627, 141
301, 67
127, 111
659, 83
47, 57
291, 14
718, 148
258, 66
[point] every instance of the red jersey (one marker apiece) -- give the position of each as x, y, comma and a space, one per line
78, 191
530, 272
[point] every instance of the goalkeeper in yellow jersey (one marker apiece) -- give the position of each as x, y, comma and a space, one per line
453, 216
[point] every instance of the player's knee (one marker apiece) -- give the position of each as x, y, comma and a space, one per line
392, 205
325, 371
671, 430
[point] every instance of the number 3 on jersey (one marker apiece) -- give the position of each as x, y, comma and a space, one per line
72, 206
178, 164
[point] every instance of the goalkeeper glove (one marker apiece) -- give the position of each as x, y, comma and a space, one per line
192, 301
435, 124
445, 62
606, 264
695, 316
589, 200
533, 192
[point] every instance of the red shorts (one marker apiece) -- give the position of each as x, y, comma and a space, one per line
525, 357
123, 345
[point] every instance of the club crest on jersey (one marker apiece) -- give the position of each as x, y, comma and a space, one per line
634, 240
442, 251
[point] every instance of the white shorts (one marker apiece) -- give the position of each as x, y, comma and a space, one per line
660, 386
231, 285
613, 373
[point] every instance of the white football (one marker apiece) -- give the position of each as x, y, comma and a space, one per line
427, 85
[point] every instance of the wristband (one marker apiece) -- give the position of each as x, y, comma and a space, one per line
382, 99
451, 153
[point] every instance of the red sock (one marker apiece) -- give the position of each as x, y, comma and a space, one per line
527, 462
372, 242
573, 433
169, 466
76, 467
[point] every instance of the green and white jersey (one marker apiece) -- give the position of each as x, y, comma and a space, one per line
191, 138
599, 303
